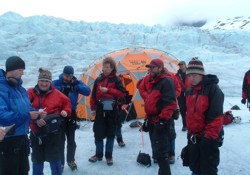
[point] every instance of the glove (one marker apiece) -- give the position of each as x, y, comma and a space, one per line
243, 101
145, 126
73, 83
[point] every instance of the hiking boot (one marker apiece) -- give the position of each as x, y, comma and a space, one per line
121, 144
109, 161
184, 129
72, 165
171, 159
95, 158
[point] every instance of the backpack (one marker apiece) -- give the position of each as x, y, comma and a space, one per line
184, 156
144, 159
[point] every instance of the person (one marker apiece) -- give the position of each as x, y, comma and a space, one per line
71, 87
158, 93
246, 89
46, 145
108, 92
172, 135
183, 81
15, 108
204, 119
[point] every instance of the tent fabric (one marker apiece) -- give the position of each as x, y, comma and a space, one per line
130, 64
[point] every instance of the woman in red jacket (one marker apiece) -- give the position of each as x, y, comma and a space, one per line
107, 92
45, 146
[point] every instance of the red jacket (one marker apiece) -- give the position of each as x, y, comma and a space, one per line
176, 83
159, 97
183, 80
205, 108
54, 101
115, 87
246, 86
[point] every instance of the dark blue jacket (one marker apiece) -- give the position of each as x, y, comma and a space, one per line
78, 88
14, 106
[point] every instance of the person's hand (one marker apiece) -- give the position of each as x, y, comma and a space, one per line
243, 101
34, 114
93, 113
43, 114
103, 89
64, 113
2, 134
40, 122
145, 126
73, 82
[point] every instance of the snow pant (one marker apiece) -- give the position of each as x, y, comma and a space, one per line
14, 152
105, 125
46, 148
172, 147
204, 156
160, 146
172, 137
183, 108
55, 167
68, 128
108, 147
119, 133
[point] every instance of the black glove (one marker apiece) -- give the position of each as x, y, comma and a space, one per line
145, 126
243, 101
74, 82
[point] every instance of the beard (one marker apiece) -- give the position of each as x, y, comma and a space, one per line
66, 81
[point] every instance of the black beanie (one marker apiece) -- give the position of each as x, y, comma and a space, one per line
69, 70
14, 63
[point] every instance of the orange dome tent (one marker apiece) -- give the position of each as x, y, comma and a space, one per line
130, 68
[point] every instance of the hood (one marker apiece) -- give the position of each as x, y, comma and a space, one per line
210, 79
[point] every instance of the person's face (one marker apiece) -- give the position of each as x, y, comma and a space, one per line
67, 78
106, 68
154, 71
18, 73
44, 85
183, 67
195, 79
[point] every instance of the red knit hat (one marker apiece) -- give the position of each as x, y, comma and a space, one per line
195, 66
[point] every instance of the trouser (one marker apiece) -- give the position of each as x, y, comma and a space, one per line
68, 129
172, 147
204, 156
160, 147
183, 108
14, 152
119, 133
108, 147
55, 167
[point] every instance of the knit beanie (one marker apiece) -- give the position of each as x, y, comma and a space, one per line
14, 63
44, 74
69, 70
195, 66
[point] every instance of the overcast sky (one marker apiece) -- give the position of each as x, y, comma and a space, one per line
148, 12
